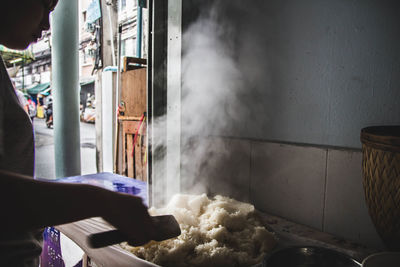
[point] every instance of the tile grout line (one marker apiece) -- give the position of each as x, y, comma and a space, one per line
250, 169
325, 188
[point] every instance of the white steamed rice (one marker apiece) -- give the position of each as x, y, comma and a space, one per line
215, 232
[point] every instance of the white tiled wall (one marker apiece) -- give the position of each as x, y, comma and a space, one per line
346, 213
318, 187
288, 182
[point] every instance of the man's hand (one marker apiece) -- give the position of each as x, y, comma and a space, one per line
128, 214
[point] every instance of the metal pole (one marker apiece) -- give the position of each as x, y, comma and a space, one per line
118, 92
114, 62
139, 32
65, 85
149, 101
174, 83
117, 99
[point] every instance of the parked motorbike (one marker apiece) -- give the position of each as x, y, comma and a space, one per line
48, 114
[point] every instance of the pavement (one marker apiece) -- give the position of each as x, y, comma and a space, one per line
45, 168
44, 149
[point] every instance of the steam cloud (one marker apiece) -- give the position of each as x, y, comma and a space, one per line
217, 76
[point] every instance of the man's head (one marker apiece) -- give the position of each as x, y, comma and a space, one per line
22, 22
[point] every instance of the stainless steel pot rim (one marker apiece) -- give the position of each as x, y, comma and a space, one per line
307, 250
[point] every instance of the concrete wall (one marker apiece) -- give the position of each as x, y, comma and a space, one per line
311, 71
286, 83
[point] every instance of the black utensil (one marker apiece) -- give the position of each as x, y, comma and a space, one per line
166, 227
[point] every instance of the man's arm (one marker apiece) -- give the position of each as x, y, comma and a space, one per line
30, 204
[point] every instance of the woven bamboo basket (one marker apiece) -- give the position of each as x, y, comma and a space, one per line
381, 180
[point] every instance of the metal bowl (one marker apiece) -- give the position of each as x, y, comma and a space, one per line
309, 257
385, 259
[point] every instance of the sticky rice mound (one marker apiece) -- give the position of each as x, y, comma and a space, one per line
215, 232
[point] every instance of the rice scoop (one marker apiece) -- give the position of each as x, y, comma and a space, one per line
215, 232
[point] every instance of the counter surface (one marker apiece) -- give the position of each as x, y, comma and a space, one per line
288, 233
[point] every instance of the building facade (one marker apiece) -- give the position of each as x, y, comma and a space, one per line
38, 71
127, 18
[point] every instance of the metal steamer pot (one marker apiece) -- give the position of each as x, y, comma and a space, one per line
308, 257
